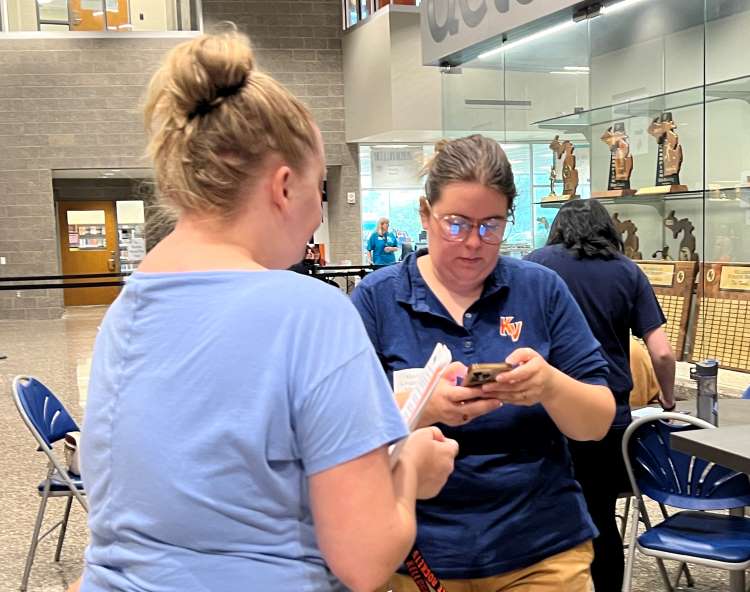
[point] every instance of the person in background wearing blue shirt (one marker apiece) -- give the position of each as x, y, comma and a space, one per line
382, 245
220, 452
511, 516
586, 250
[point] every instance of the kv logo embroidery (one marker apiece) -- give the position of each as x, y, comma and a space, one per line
510, 329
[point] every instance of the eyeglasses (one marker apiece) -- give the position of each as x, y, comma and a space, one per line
455, 228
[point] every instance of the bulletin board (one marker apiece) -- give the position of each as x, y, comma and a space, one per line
722, 330
673, 283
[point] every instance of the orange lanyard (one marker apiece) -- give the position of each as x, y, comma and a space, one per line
420, 572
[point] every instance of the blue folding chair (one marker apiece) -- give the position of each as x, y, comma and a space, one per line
49, 422
691, 484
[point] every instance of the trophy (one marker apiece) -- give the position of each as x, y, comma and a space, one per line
563, 164
687, 244
630, 239
543, 222
620, 163
663, 254
669, 158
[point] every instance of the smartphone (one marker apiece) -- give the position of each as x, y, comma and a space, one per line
479, 374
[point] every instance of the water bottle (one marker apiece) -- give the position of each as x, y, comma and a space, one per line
705, 374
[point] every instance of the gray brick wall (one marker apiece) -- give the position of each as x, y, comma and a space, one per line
64, 104
299, 43
73, 103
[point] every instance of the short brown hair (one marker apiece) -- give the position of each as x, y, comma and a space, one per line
213, 118
473, 159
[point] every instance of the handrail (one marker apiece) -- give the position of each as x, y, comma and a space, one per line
32, 278
63, 281
52, 286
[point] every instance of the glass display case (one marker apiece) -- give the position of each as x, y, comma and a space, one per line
645, 105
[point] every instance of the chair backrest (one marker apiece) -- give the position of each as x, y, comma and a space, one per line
674, 478
41, 410
406, 248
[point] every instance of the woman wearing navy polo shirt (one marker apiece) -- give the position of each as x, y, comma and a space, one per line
511, 515
586, 250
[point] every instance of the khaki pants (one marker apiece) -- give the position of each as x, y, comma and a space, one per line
565, 572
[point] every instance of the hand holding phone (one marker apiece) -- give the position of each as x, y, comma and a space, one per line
479, 374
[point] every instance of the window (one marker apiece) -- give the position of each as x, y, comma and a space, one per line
355, 11
101, 15
391, 187
86, 230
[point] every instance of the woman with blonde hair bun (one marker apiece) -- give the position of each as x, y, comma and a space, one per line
220, 452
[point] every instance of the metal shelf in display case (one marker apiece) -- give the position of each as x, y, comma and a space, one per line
729, 196
651, 107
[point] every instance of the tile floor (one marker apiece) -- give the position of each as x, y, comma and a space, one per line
58, 352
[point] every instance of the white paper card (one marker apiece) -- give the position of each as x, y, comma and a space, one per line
406, 379
424, 386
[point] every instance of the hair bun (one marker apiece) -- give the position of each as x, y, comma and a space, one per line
210, 69
440, 145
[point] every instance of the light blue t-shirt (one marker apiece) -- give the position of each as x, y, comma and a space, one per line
213, 397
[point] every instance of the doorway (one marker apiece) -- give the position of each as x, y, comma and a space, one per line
101, 227
88, 244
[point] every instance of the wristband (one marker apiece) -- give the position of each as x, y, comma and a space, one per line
667, 409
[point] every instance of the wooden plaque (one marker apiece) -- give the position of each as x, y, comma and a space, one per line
722, 327
673, 282
735, 278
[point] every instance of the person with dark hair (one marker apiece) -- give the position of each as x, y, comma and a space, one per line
585, 249
306, 266
512, 516
406, 249
585, 228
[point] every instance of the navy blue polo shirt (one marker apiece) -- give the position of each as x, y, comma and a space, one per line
511, 500
616, 298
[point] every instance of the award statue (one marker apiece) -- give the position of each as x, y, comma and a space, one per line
629, 232
620, 163
664, 252
687, 244
669, 158
563, 164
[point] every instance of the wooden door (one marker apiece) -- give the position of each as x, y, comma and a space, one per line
88, 244
98, 15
